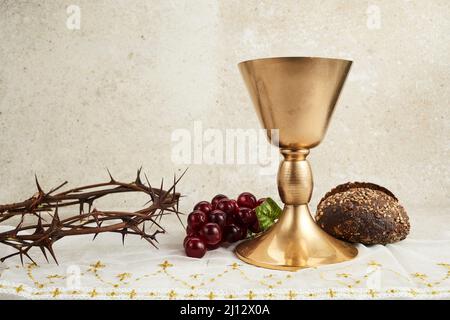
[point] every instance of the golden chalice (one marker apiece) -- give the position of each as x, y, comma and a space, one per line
296, 96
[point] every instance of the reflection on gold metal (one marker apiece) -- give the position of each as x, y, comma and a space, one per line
297, 96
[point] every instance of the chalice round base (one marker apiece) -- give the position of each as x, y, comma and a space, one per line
294, 242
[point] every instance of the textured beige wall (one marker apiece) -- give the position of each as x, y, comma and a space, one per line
73, 102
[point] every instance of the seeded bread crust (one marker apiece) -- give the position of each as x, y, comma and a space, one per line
363, 212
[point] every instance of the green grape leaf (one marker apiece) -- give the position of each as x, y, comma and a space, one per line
268, 212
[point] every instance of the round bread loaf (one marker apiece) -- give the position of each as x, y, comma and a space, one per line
362, 212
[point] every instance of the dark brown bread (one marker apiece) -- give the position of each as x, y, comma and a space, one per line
363, 212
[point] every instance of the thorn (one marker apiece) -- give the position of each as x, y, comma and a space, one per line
28, 256
173, 186
44, 253
95, 215
10, 255
162, 194
57, 188
152, 192
181, 176
21, 256
179, 218
39, 228
38, 185
177, 202
144, 236
138, 176
146, 203
55, 221
50, 249
155, 223
151, 242
124, 232
19, 225
110, 175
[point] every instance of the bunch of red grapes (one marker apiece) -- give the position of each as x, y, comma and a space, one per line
220, 221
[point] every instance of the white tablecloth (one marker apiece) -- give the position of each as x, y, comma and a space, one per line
418, 267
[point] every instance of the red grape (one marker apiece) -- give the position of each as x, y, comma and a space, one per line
255, 227
217, 216
260, 201
216, 200
196, 219
190, 231
253, 217
232, 233
245, 217
195, 248
212, 233
228, 206
186, 239
230, 219
235, 205
247, 200
203, 206
244, 231
213, 246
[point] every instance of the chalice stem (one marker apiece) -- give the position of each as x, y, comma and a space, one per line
295, 182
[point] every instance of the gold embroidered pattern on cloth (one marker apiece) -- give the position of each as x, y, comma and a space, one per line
205, 285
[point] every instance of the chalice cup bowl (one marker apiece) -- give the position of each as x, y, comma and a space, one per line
297, 96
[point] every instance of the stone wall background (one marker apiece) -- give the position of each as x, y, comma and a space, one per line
73, 102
